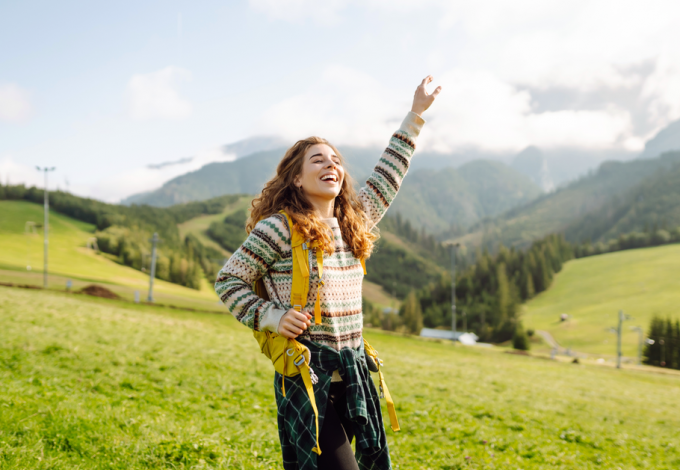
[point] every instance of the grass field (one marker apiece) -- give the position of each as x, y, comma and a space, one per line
69, 258
592, 290
88, 383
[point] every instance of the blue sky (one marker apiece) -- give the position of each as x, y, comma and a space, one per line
100, 90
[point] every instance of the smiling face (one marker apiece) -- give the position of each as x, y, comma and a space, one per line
322, 173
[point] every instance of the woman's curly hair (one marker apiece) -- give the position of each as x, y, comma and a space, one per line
280, 193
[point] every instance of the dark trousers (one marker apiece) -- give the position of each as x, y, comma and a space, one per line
336, 433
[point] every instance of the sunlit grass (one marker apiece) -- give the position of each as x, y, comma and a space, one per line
90, 383
642, 283
69, 258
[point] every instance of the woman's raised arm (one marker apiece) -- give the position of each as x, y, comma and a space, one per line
384, 183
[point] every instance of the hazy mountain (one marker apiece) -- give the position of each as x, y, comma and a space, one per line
550, 168
557, 211
532, 163
435, 199
438, 199
668, 139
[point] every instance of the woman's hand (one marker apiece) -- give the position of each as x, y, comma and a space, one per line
422, 100
293, 323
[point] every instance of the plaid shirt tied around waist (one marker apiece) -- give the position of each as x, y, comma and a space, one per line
297, 431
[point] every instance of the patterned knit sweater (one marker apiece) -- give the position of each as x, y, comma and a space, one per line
267, 254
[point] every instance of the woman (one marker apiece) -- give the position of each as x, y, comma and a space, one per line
313, 188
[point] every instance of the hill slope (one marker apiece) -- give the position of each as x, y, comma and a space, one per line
69, 257
642, 283
650, 205
437, 199
555, 212
86, 383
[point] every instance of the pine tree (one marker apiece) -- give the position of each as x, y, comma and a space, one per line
530, 291
503, 295
412, 314
652, 352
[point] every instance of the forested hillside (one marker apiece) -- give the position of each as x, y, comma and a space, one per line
651, 205
556, 212
489, 292
436, 200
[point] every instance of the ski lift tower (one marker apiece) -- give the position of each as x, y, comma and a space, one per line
46, 170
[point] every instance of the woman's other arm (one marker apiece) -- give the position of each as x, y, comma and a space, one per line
384, 183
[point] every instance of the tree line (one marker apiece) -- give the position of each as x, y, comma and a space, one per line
653, 236
664, 348
490, 290
124, 231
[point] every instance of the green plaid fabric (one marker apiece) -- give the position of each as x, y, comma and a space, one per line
297, 430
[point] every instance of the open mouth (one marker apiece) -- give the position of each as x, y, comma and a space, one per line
332, 178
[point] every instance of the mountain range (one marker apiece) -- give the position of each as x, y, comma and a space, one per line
539, 190
619, 197
434, 199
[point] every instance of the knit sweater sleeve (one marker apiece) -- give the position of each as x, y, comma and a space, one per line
234, 285
383, 184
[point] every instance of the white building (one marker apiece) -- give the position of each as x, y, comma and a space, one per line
460, 336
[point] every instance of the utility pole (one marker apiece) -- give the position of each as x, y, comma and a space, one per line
453, 288
619, 331
47, 217
152, 272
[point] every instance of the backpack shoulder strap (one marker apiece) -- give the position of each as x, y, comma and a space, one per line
300, 249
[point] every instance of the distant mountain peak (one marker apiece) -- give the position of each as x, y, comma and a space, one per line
666, 140
532, 162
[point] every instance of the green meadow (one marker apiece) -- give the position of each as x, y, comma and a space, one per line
642, 283
89, 383
69, 258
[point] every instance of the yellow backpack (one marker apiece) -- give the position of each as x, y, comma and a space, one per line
289, 356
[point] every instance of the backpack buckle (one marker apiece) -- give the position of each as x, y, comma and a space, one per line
297, 307
299, 360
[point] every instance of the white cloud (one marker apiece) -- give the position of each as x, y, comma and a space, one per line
342, 105
492, 50
296, 10
155, 95
17, 173
475, 109
662, 88
14, 103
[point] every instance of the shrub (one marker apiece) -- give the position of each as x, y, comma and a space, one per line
519, 339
